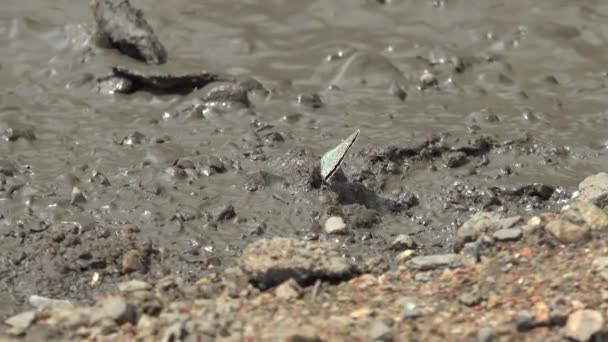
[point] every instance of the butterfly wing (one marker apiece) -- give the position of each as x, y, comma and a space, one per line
330, 162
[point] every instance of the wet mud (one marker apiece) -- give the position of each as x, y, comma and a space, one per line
147, 159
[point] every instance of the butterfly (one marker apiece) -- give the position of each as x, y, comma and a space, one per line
331, 160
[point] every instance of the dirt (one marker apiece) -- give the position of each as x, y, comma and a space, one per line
164, 143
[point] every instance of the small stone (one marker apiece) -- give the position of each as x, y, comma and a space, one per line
568, 232
306, 333
509, 222
427, 79
40, 302
403, 242
335, 225
405, 255
541, 313
593, 187
455, 159
472, 249
600, 263
410, 308
175, 332
132, 261
430, 262
583, 324
77, 196
595, 217
524, 321
21, 321
288, 290
508, 234
476, 225
133, 285
115, 308
380, 332
224, 213
486, 334
361, 313
470, 299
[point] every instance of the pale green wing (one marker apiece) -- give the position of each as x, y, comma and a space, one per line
331, 160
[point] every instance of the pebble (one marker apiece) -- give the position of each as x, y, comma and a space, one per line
595, 217
132, 261
77, 197
568, 232
455, 159
475, 226
224, 213
524, 320
430, 262
403, 242
405, 255
335, 225
133, 285
115, 308
379, 331
593, 187
361, 313
508, 234
40, 302
427, 79
288, 290
600, 263
486, 334
583, 324
470, 299
21, 321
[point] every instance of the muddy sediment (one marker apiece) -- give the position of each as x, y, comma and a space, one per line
162, 172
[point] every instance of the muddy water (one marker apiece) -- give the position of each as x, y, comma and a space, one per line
529, 73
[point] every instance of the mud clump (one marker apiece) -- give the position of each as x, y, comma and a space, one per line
128, 31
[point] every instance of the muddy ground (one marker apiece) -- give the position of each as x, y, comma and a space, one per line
162, 143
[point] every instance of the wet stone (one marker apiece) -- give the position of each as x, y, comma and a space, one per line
128, 30
427, 80
455, 159
271, 262
225, 93
312, 100
224, 213
583, 324
7, 167
509, 234
430, 262
403, 242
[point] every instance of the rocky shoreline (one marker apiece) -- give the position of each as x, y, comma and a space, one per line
509, 279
